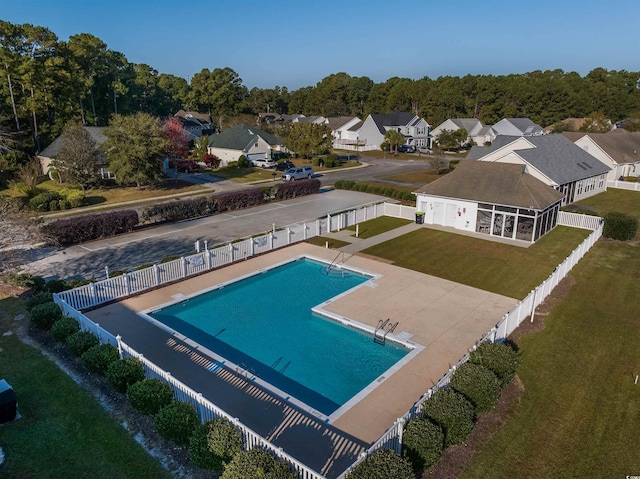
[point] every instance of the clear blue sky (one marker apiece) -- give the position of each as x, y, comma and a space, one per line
296, 43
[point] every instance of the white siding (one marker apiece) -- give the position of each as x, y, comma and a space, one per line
458, 214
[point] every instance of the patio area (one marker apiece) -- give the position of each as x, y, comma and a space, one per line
444, 317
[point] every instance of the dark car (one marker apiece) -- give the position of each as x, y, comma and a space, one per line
284, 166
406, 149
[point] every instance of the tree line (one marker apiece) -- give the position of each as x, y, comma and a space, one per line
48, 83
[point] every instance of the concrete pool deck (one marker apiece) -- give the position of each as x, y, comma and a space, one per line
444, 317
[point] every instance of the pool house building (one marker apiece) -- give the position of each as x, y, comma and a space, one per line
495, 199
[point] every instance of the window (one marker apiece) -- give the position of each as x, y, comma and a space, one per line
601, 182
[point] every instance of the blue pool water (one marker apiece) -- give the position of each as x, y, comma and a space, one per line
265, 322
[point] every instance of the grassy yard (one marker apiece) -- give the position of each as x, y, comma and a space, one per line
624, 201
245, 175
504, 269
322, 241
374, 227
63, 432
579, 414
422, 177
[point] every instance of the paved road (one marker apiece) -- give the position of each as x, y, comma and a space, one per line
145, 246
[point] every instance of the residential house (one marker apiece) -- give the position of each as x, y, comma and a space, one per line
196, 124
518, 127
415, 129
553, 159
477, 133
246, 140
47, 155
344, 130
319, 120
619, 149
496, 199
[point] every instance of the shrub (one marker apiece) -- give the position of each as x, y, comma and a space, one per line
27, 280
213, 444
478, 384
422, 443
243, 162
73, 198
79, 342
235, 200
619, 226
98, 358
44, 315
55, 286
177, 421
500, 358
292, 189
64, 327
453, 412
44, 201
42, 297
383, 464
123, 373
89, 227
180, 209
149, 396
257, 464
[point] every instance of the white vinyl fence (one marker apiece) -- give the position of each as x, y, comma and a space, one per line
624, 185
392, 438
100, 292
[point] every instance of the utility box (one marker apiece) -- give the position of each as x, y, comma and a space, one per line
8, 409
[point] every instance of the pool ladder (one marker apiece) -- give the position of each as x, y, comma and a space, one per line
384, 327
333, 267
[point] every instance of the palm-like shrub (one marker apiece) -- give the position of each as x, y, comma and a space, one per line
383, 464
422, 443
257, 464
453, 412
500, 358
177, 421
478, 384
214, 444
149, 395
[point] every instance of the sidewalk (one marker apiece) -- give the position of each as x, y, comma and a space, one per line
359, 244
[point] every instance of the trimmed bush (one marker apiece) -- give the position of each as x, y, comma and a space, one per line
383, 464
149, 396
177, 421
619, 226
42, 297
237, 200
292, 189
257, 464
422, 443
500, 358
478, 384
214, 444
89, 227
46, 201
80, 342
453, 412
180, 209
55, 286
98, 358
123, 373
64, 327
44, 315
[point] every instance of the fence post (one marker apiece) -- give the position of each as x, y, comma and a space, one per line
271, 240
253, 247
127, 284
207, 255
533, 303
184, 267
94, 300
156, 274
400, 422
119, 341
288, 235
231, 252
304, 231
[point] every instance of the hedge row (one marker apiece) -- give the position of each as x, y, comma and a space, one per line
292, 189
85, 228
376, 190
619, 226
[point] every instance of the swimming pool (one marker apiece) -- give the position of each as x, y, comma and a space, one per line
264, 323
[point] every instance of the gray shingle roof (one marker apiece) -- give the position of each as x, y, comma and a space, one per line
395, 118
241, 136
554, 156
498, 183
52, 150
621, 145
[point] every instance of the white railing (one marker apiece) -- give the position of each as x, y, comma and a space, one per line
392, 438
624, 185
576, 220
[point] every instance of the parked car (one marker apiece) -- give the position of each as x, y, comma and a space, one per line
406, 149
301, 173
284, 166
263, 163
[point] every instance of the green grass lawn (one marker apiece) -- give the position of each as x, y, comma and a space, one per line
63, 431
504, 269
422, 177
374, 227
613, 199
579, 415
322, 241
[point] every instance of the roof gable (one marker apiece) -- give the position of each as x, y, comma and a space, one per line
240, 137
620, 145
96, 132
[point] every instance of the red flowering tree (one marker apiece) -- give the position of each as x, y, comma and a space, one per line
177, 139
